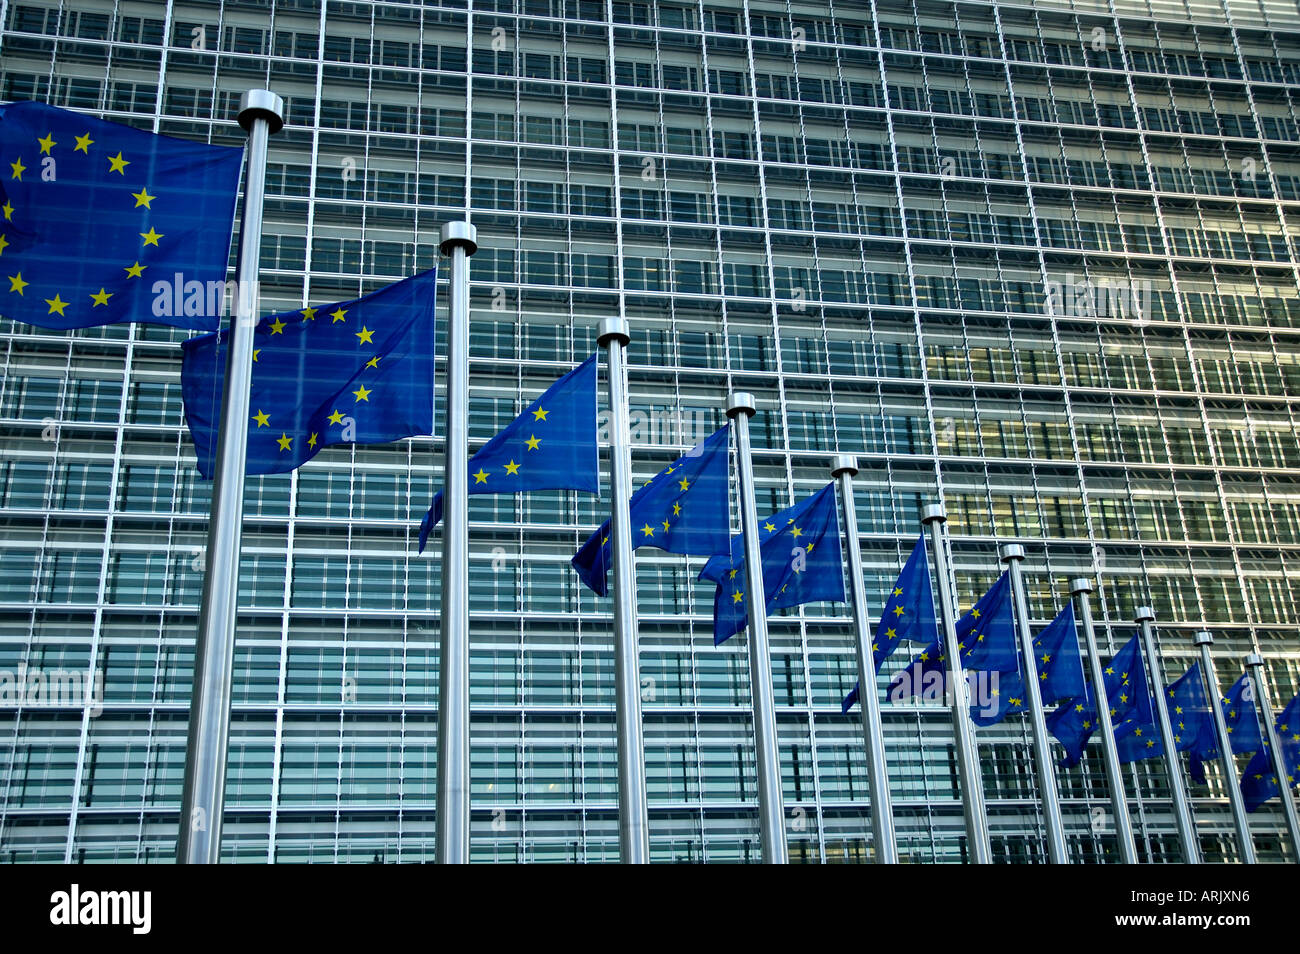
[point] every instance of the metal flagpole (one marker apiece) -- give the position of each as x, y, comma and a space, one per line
1057, 850
459, 242
771, 811
203, 792
1255, 663
1182, 810
972, 789
1081, 587
1245, 843
633, 821
843, 469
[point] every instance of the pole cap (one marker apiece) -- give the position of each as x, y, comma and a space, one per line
1011, 551
1080, 584
933, 512
612, 329
844, 464
741, 402
258, 104
1254, 660
1144, 614
1203, 638
460, 234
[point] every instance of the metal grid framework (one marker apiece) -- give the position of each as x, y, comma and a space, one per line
853, 210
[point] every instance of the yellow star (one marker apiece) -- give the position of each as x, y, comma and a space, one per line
481, 477
285, 441
1046, 658
336, 417
898, 611
56, 304
648, 530
309, 314
83, 144
118, 164
737, 596
8, 211
18, 169
975, 613
135, 271
677, 510
4, 244
47, 144
684, 484
512, 468
366, 335
1078, 708
143, 198
100, 298
262, 418
277, 327
311, 441
373, 362
532, 442
898, 591
796, 533
16, 283
769, 526
151, 237
890, 633
363, 394
256, 352
337, 314
540, 414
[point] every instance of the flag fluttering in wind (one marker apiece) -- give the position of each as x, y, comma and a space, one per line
1127, 695
550, 446
682, 509
1259, 780
801, 554
350, 372
102, 223
1245, 733
1189, 720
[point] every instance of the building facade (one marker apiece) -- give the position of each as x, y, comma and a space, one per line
1038, 260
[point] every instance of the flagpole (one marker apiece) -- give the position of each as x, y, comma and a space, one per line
843, 468
1182, 810
1081, 587
1255, 663
972, 789
203, 791
1245, 843
771, 811
1057, 850
633, 820
459, 240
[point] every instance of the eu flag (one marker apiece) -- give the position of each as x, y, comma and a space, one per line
350, 372
1189, 719
1259, 781
550, 446
800, 548
1058, 665
908, 612
1127, 695
987, 634
103, 223
682, 509
992, 694
1242, 721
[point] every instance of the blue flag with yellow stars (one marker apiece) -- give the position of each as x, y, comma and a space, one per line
1127, 694
103, 223
800, 547
1242, 720
992, 695
908, 613
1189, 720
1059, 666
987, 634
682, 509
1259, 781
351, 372
550, 446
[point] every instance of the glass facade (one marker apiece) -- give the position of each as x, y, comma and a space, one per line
1037, 258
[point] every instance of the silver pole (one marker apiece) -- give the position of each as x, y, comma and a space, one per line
771, 811
972, 788
843, 469
1081, 587
633, 820
1245, 843
459, 241
203, 792
1255, 663
1182, 810
1058, 851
